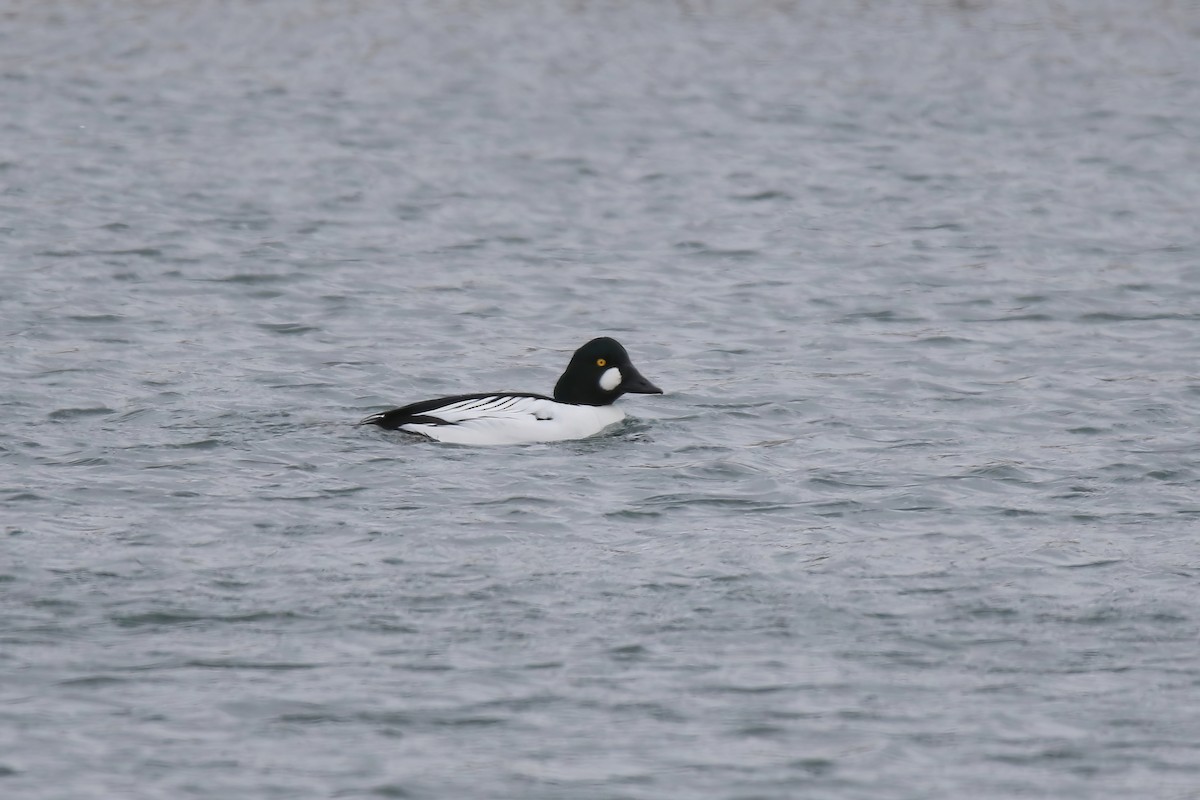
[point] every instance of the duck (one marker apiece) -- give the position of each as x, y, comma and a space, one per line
582, 405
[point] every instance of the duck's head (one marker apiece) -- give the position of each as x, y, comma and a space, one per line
599, 373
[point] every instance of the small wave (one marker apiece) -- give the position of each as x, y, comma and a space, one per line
76, 413
287, 328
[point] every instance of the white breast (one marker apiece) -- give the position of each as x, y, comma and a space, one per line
515, 420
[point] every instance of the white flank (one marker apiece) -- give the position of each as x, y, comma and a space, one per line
515, 420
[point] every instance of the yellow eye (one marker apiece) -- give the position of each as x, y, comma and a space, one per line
600, 362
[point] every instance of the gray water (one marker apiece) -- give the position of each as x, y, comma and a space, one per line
916, 518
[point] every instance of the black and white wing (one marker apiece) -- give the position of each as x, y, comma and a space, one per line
464, 409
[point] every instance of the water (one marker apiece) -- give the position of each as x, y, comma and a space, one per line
916, 518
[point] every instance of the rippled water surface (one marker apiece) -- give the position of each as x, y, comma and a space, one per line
917, 517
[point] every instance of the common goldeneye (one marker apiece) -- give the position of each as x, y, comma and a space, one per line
582, 405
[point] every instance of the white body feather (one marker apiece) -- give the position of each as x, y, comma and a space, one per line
514, 420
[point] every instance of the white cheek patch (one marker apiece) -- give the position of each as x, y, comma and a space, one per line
611, 379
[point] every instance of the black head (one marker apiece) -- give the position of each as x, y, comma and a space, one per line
599, 373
